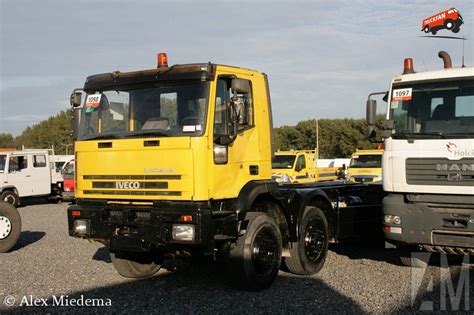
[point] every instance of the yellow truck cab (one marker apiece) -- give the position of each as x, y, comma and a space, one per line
294, 166
366, 166
176, 161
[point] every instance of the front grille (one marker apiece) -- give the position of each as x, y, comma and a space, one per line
132, 177
132, 192
144, 185
440, 171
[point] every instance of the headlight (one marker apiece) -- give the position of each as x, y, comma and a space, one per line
285, 178
392, 219
377, 179
183, 232
81, 227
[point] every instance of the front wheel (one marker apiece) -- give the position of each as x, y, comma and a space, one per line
408, 257
449, 24
10, 226
9, 196
133, 265
309, 253
256, 257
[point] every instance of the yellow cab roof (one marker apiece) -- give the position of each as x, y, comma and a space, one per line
294, 152
368, 152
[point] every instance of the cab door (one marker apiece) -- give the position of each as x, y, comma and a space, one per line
41, 174
242, 155
19, 174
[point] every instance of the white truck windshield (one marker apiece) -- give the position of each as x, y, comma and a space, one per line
442, 109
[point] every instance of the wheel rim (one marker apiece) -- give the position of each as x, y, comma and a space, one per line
264, 251
9, 198
5, 227
449, 25
314, 240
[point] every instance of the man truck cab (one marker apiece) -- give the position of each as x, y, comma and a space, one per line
294, 166
366, 166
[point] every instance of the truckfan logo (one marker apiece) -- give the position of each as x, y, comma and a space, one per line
451, 147
450, 19
127, 185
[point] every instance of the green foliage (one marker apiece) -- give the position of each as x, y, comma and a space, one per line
6, 140
55, 131
338, 138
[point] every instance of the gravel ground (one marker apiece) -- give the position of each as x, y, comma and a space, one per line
48, 264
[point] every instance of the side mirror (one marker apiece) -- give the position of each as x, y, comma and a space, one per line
76, 99
371, 111
76, 120
240, 86
370, 117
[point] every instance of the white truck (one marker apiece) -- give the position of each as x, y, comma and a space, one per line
428, 162
28, 173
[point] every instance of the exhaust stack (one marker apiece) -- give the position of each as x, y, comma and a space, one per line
446, 59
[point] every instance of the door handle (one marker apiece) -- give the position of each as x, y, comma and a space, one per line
27, 175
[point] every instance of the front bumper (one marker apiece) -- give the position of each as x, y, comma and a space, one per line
141, 228
428, 221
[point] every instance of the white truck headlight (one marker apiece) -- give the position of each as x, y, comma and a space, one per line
377, 179
81, 227
183, 232
392, 219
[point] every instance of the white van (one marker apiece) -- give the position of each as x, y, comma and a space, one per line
28, 173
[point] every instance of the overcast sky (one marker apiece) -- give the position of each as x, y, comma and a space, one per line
322, 57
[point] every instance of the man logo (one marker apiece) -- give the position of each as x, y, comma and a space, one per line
127, 185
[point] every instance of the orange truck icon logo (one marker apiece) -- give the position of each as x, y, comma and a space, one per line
450, 19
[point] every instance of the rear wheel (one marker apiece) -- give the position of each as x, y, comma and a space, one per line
11, 197
131, 265
426, 29
255, 260
10, 226
309, 253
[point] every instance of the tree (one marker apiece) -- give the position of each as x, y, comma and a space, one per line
6, 140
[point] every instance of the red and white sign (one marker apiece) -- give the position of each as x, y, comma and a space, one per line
93, 100
402, 95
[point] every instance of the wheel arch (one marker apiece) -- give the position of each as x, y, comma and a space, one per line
9, 187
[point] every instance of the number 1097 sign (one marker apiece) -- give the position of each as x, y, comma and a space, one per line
401, 95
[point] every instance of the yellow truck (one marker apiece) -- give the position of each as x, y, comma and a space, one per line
296, 166
176, 161
366, 166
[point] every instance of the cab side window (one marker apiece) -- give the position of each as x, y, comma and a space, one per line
39, 161
242, 104
17, 163
300, 162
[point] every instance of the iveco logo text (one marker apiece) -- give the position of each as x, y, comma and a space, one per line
127, 185
455, 167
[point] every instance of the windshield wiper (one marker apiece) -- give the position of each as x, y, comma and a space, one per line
419, 135
149, 133
105, 136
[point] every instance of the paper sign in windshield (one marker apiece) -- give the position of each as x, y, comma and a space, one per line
93, 100
402, 95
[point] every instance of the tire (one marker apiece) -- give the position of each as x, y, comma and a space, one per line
449, 24
256, 257
309, 253
10, 227
11, 197
456, 29
407, 258
426, 29
134, 265
434, 32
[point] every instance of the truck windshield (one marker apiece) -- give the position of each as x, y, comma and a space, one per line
439, 109
366, 161
3, 159
165, 110
283, 161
